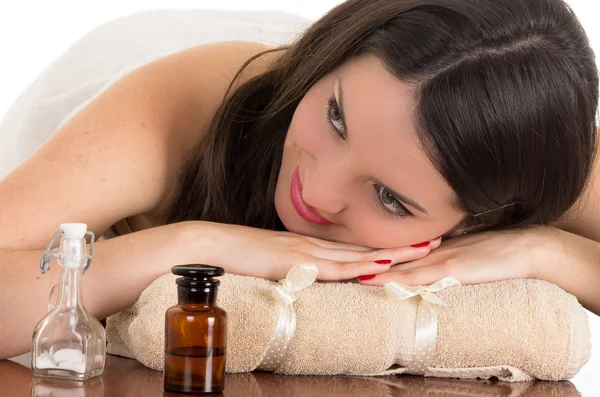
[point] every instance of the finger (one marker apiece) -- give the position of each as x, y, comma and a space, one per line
424, 275
338, 255
336, 271
428, 260
334, 245
435, 243
432, 244
386, 256
398, 255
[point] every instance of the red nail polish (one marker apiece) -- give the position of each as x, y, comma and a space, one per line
368, 277
383, 261
421, 245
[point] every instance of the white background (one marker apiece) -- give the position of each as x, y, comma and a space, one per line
34, 33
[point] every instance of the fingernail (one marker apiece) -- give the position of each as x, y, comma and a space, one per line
421, 245
368, 277
384, 261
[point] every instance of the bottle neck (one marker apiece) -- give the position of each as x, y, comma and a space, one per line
72, 257
204, 296
70, 288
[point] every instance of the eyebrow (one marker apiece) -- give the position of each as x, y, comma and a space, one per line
401, 197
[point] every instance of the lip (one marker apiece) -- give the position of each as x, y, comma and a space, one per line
304, 210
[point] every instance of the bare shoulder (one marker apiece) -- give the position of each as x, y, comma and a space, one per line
120, 155
203, 75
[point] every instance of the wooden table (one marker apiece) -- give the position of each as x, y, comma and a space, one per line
128, 378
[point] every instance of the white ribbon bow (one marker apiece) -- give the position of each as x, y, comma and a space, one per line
427, 316
298, 278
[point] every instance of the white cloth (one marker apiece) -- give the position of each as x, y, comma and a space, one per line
115, 48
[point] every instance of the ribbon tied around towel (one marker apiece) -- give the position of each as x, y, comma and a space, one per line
298, 278
427, 318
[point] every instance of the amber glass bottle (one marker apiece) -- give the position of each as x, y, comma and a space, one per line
195, 333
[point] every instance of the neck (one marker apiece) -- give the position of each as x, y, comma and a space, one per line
196, 296
70, 288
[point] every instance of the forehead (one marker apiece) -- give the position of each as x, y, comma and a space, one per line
382, 134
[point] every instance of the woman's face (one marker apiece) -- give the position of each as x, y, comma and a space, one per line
353, 169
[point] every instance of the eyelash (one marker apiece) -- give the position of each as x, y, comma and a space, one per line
397, 204
331, 104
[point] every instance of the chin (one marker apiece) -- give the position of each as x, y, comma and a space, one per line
284, 213
291, 224
291, 220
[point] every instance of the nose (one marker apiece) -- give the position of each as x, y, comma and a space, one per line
324, 191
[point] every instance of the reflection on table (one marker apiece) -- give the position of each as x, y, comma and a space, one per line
124, 378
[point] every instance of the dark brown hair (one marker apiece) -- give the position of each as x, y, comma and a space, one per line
506, 91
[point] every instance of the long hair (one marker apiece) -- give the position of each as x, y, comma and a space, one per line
506, 93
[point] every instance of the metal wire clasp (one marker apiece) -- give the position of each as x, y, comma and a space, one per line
49, 254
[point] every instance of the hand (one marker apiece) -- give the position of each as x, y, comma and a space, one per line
271, 254
478, 258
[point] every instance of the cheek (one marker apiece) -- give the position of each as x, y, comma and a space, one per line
309, 130
373, 230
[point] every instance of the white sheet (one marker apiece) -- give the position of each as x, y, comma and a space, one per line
115, 48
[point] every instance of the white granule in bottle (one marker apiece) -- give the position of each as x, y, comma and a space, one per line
68, 359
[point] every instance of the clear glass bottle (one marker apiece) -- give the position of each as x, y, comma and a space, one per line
69, 342
195, 333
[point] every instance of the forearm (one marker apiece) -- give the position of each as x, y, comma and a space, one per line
572, 262
121, 269
583, 218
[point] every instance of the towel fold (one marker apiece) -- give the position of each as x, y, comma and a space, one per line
514, 330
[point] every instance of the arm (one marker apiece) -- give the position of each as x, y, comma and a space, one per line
565, 259
121, 269
571, 262
578, 245
116, 158
584, 218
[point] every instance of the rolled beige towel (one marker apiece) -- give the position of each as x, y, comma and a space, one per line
514, 330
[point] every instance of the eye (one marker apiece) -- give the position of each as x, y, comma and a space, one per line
390, 203
335, 118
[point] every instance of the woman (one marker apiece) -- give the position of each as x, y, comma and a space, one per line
385, 126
